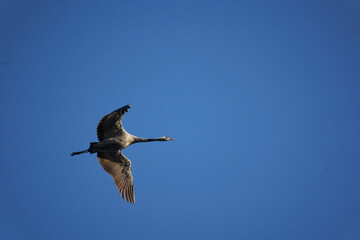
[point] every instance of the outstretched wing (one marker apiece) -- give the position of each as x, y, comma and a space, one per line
119, 167
110, 125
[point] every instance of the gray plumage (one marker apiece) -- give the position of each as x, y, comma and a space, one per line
112, 140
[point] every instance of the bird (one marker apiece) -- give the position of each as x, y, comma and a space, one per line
113, 139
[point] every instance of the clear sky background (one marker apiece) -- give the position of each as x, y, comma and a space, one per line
261, 96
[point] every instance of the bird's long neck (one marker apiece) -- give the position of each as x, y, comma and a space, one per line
139, 139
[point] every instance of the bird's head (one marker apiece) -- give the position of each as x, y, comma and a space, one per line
165, 138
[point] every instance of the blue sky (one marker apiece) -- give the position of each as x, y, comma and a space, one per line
261, 96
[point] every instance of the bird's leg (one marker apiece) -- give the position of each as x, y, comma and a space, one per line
77, 153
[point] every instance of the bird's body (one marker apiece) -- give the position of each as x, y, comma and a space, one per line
116, 143
112, 140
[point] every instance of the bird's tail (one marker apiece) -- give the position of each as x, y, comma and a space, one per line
90, 150
77, 153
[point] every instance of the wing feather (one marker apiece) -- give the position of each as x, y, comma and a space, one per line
119, 167
110, 125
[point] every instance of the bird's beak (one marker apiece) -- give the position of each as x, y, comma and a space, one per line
167, 138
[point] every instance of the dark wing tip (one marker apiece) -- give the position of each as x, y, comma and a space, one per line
123, 109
